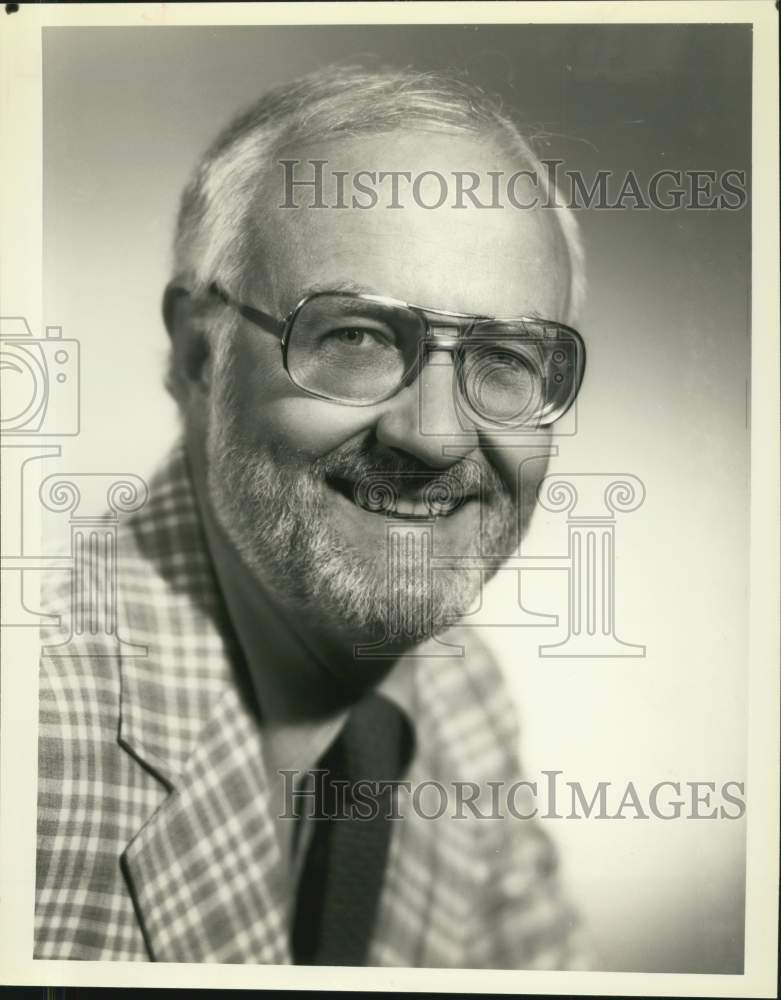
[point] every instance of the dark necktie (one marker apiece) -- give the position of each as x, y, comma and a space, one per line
345, 864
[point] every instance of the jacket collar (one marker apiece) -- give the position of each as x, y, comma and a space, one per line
205, 870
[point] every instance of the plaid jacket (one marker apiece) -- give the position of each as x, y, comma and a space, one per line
155, 839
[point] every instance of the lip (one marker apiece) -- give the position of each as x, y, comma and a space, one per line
409, 506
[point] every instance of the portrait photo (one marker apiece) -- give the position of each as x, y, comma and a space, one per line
384, 443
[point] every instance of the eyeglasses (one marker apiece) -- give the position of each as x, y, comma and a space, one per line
360, 349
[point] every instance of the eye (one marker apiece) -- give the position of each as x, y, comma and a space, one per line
357, 336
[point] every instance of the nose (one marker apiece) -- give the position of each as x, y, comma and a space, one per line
424, 419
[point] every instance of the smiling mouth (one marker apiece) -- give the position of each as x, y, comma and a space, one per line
379, 494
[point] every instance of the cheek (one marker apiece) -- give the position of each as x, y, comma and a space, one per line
306, 426
521, 462
272, 411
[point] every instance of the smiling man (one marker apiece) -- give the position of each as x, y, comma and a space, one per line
354, 379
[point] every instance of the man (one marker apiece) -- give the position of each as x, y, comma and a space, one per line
344, 483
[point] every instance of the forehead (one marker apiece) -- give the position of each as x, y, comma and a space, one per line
456, 256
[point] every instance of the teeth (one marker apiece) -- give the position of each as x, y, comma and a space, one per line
437, 500
411, 508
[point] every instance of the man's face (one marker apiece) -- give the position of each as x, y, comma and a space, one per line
283, 465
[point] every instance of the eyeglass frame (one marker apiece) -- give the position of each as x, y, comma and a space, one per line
282, 328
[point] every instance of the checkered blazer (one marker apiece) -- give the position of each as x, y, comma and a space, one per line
155, 837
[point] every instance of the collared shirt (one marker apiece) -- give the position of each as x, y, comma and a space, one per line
291, 688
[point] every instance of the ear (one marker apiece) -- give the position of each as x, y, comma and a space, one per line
187, 324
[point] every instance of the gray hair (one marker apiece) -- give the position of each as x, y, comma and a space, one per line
214, 238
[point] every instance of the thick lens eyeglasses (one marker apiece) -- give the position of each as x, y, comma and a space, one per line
360, 349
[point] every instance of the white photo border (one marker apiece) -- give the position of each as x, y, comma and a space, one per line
21, 294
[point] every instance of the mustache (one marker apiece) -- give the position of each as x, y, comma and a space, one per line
364, 464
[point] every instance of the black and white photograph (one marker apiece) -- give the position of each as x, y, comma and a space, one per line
390, 497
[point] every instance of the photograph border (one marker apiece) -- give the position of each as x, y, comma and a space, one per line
21, 295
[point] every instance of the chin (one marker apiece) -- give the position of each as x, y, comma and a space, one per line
399, 613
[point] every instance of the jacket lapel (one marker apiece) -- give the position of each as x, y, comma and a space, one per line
434, 866
206, 870
430, 885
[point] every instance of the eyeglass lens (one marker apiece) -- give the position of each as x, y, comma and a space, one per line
352, 349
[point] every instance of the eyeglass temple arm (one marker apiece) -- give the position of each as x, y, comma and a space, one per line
256, 316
